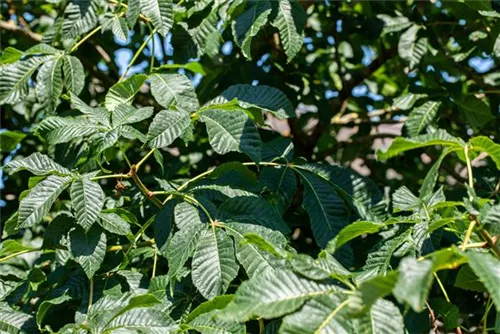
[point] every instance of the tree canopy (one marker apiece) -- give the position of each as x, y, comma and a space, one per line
263, 166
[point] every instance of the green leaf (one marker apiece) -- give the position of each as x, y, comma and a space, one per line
186, 215
217, 303
209, 323
36, 163
125, 114
491, 219
40, 199
174, 90
401, 145
359, 193
64, 129
289, 21
431, 177
372, 290
100, 114
487, 268
476, 111
496, 47
206, 36
47, 304
449, 312
133, 12
406, 101
124, 92
282, 183
263, 98
161, 13
49, 83
10, 247
10, 139
214, 265
14, 79
118, 25
232, 131
12, 321
326, 209
414, 282
273, 294
166, 126
485, 144
353, 231
324, 267
88, 249
182, 246
79, 18
404, 200
325, 314
142, 320
74, 76
421, 116
87, 199
411, 48
253, 210
393, 24
10, 55
468, 280
252, 258
383, 318
247, 25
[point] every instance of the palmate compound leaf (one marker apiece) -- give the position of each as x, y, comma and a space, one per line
161, 13
487, 268
290, 20
232, 131
166, 126
323, 314
88, 248
401, 145
214, 264
248, 24
38, 202
87, 199
36, 163
124, 92
274, 294
174, 90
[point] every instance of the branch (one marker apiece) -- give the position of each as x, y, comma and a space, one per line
12, 26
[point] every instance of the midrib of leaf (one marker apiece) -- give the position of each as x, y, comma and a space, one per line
288, 24
426, 114
252, 246
169, 89
316, 195
336, 187
330, 316
224, 130
214, 234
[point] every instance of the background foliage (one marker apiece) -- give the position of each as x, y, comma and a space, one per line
230, 166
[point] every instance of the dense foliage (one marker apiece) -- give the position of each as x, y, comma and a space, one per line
250, 166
